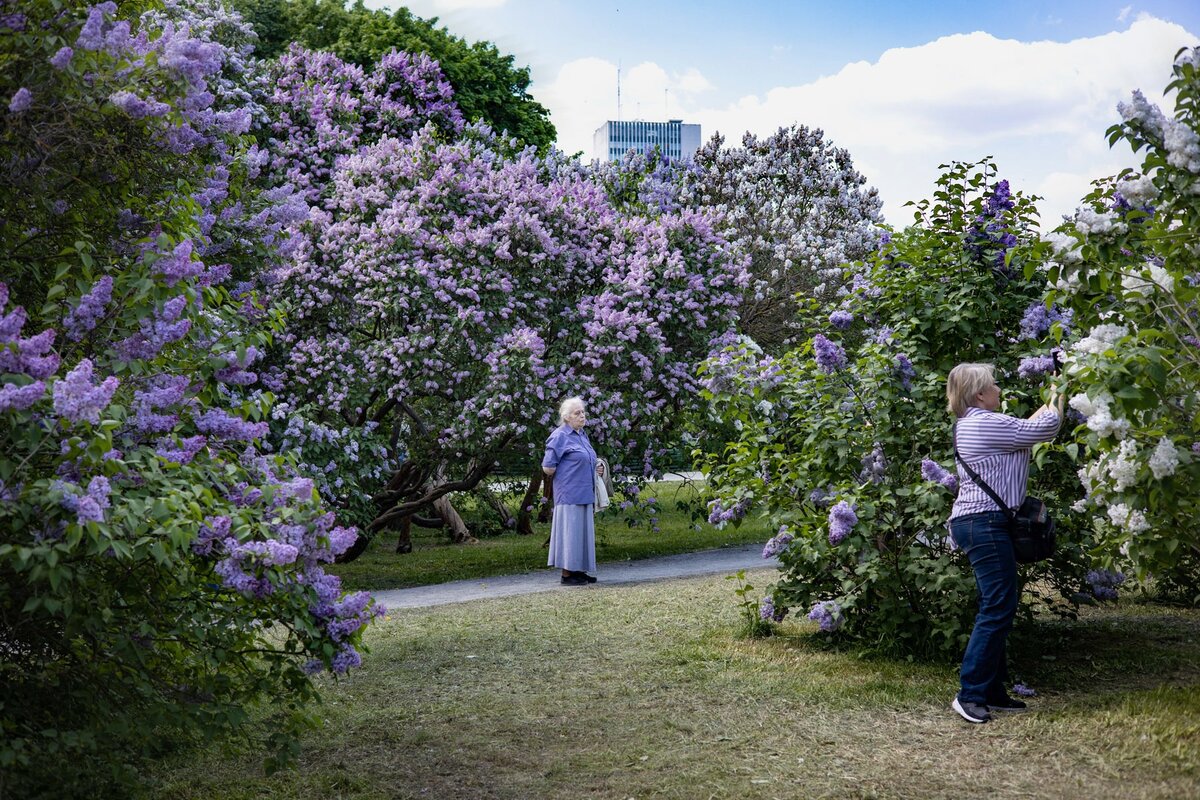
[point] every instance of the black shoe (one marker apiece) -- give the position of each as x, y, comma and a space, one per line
1007, 704
574, 579
971, 712
588, 578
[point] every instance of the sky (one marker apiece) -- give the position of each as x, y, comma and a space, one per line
905, 86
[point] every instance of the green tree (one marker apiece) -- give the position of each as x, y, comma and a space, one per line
488, 86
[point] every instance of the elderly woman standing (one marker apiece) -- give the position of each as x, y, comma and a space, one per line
997, 447
571, 463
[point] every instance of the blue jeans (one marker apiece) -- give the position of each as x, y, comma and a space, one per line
984, 538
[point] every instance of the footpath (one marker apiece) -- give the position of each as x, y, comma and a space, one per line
615, 573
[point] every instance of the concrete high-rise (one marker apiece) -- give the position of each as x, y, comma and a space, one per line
675, 139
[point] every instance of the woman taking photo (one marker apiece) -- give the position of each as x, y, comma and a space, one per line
997, 447
571, 464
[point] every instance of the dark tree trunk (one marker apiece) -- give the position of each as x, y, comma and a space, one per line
547, 507
525, 515
404, 543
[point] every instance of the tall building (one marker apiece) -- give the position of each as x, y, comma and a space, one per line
676, 140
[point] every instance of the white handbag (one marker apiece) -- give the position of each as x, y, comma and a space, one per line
601, 492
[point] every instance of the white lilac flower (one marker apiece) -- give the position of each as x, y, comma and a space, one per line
1123, 469
1080, 505
1100, 338
1118, 514
1104, 424
1085, 405
1183, 146
1065, 247
1165, 459
1137, 522
1098, 223
1139, 191
1139, 285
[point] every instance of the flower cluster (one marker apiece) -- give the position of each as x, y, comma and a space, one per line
829, 616
829, 355
935, 472
777, 543
769, 612
841, 520
1104, 583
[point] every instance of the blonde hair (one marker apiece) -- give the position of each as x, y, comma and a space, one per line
964, 382
570, 403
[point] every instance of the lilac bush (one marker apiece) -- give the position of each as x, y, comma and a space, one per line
856, 420
161, 575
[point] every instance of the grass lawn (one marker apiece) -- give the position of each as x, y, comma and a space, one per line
644, 691
435, 560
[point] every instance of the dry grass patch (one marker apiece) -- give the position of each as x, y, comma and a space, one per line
642, 692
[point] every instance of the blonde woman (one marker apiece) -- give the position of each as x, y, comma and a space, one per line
997, 447
571, 464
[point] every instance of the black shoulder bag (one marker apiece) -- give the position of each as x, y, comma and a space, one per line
1031, 527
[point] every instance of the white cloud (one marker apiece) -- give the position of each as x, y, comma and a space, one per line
1041, 108
1124, 13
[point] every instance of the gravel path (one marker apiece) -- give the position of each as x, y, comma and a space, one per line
706, 562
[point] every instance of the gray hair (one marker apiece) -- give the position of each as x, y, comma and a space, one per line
964, 382
568, 406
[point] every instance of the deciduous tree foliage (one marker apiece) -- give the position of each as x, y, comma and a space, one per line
159, 576
488, 87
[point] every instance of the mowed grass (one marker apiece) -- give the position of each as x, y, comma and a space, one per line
436, 560
645, 691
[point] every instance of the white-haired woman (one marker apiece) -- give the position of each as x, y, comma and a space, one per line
572, 465
997, 447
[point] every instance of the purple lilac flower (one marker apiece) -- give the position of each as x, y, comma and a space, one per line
874, 466
828, 614
162, 392
905, 371
90, 505
718, 514
1021, 690
883, 335
830, 356
91, 35
1037, 320
78, 399
841, 319
19, 398
841, 519
235, 371
222, 425
84, 316
165, 327
180, 452
778, 543
933, 471
33, 355
15, 21
137, 108
1032, 366
1104, 583
821, 497
767, 610
346, 659
178, 264
62, 58
21, 100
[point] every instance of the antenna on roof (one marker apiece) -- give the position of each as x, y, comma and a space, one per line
618, 90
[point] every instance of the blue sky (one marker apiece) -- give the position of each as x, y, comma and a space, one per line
903, 85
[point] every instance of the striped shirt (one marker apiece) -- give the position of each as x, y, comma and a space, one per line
997, 447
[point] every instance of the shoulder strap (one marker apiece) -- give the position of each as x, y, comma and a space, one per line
978, 480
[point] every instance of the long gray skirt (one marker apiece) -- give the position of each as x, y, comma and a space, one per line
573, 538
